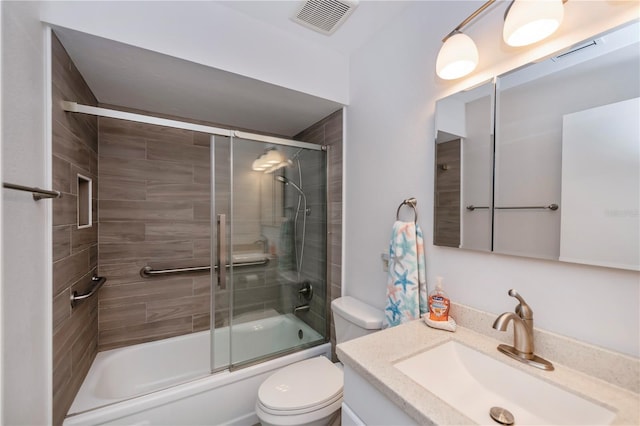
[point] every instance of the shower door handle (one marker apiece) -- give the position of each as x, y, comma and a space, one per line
222, 250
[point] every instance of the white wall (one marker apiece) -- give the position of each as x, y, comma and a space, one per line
389, 156
213, 35
26, 238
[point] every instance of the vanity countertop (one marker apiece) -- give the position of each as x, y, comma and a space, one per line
373, 357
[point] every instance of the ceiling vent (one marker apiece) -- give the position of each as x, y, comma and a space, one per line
324, 16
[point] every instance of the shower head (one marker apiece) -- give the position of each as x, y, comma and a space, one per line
288, 182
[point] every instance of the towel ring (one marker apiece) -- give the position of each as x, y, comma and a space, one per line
411, 202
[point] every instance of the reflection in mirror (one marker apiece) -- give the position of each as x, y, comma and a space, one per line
464, 169
567, 134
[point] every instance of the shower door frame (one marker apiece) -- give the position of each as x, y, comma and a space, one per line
75, 107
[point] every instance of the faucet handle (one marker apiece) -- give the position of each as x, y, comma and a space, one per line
523, 310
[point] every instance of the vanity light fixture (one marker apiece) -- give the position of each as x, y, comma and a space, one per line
458, 55
526, 22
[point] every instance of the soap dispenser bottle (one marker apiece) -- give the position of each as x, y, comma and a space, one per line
438, 303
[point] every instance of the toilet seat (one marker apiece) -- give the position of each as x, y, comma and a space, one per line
304, 390
275, 412
303, 386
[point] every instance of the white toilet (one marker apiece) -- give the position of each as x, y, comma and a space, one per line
309, 392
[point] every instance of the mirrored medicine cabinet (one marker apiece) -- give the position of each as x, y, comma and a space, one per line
544, 161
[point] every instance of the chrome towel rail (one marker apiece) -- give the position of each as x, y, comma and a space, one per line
38, 194
148, 271
549, 207
97, 283
411, 202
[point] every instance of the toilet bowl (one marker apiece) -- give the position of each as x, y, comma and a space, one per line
309, 392
305, 393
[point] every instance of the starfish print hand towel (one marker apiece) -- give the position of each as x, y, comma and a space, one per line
406, 283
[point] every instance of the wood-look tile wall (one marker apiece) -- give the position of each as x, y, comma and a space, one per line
329, 132
446, 218
154, 210
75, 147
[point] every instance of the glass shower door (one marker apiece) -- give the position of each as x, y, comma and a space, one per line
277, 249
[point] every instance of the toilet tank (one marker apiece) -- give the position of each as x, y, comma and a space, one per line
353, 318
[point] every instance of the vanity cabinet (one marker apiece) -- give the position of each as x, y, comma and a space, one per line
365, 405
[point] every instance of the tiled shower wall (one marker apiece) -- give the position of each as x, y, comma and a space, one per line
154, 210
75, 151
328, 131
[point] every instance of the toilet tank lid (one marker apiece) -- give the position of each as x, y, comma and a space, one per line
358, 312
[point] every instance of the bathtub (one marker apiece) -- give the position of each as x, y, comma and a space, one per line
168, 381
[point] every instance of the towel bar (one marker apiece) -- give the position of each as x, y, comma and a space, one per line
553, 207
471, 207
411, 202
38, 193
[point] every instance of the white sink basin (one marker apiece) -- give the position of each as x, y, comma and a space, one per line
473, 383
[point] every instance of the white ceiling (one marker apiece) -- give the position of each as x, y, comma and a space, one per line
125, 75
367, 19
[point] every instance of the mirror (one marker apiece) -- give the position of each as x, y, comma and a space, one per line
566, 178
464, 169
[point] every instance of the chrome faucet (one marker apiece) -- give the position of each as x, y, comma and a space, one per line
522, 320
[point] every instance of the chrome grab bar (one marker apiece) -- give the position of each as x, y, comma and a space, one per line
471, 207
38, 194
148, 271
553, 207
97, 283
